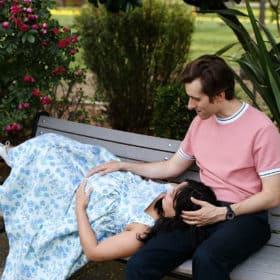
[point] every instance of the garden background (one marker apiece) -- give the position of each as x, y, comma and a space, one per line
78, 96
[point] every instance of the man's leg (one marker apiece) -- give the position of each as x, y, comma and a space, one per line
160, 255
229, 244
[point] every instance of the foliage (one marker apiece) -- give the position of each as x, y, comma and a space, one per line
124, 5
117, 5
171, 117
274, 6
35, 57
202, 6
209, 5
260, 64
134, 53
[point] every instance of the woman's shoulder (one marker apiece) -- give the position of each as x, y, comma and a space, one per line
139, 227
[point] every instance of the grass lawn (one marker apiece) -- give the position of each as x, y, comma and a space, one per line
210, 33
209, 37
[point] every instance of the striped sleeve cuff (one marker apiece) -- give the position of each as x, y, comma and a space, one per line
269, 172
184, 155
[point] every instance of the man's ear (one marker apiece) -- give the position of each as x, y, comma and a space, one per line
220, 97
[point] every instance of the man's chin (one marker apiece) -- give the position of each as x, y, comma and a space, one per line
203, 116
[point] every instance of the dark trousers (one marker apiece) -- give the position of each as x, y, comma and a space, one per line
226, 245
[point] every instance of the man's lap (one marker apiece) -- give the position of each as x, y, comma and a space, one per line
239, 237
160, 255
234, 241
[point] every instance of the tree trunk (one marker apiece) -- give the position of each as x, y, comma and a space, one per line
262, 12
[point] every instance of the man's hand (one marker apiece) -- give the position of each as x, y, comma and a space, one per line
107, 167
82, 197
208, 214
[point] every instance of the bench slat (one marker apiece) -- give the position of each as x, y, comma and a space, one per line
274, 240
276, 211
261, 266
128, 138
274, 222
131, 152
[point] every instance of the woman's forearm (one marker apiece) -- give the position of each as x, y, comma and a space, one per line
87, 236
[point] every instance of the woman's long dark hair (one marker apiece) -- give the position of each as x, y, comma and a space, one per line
181, 202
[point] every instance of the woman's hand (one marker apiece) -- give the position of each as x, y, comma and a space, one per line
82, 197
107, 167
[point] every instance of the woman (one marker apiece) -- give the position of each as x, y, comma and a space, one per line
47, 219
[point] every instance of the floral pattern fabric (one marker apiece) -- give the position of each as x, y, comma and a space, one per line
38, 204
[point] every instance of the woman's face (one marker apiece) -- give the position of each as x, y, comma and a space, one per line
168, 203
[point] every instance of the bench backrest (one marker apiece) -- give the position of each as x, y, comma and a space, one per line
133, 147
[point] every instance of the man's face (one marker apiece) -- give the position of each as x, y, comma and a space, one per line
199, 101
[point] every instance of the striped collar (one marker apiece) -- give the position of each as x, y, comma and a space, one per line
235, 116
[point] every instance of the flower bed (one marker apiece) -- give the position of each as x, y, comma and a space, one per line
36, 54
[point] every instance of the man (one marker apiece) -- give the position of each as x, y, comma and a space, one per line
237, 149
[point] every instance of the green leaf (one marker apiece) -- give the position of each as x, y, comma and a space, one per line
33, 31
225, 48
31, 38
24, 37
275, 88
246, 89
231, 12
260, 64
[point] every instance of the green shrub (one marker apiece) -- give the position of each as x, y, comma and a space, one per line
171, 117
134, 53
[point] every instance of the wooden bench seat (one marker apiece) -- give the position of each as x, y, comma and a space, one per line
264, 265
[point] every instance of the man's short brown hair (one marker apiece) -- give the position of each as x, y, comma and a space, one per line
214, 74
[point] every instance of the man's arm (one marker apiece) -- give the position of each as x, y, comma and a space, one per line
173, 167
269, 197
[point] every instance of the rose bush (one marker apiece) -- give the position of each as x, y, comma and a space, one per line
36, 55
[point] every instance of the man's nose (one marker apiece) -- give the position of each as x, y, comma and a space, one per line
191, 104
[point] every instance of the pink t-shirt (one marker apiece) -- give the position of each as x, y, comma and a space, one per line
233, 154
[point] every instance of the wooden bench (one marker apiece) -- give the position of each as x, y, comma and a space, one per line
264, 265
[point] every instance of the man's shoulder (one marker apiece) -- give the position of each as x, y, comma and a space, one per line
257, 118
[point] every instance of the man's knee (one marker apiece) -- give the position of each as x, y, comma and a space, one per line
201, 257
131, 267
135, 267
208, 266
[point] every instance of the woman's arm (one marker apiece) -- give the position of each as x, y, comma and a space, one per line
122, 245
